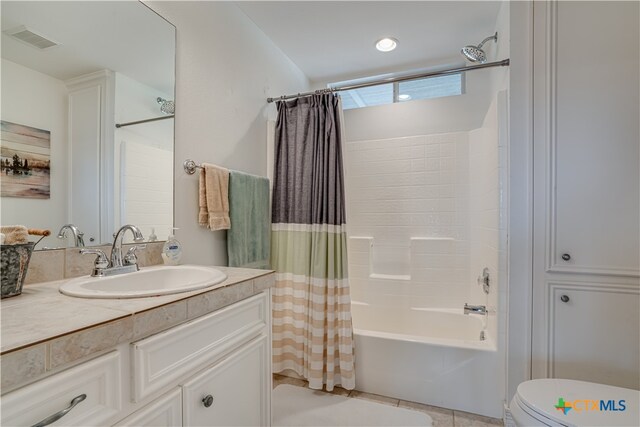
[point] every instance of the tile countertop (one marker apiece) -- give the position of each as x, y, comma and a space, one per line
42, 313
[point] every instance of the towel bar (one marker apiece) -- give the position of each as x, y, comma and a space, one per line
190, 166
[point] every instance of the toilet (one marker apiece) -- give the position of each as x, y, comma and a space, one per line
559, 402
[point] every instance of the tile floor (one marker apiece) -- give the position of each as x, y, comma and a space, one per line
441, 417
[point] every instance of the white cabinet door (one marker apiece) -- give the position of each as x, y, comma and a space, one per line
165, 411
84, 160
234, 392
595, 333
586, 136
91, 154
586, 192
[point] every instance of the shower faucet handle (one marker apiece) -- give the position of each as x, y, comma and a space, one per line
484, 280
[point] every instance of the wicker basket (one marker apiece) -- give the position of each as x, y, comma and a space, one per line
15, 261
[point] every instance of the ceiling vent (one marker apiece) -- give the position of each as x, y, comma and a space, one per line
31, 38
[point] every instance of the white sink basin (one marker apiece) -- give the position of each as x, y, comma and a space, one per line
148, 282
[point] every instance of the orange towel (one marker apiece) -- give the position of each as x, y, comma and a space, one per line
214, 198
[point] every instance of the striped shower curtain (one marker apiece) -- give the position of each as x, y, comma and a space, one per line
312, 332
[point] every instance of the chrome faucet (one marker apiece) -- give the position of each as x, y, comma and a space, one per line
116, 249
118, 264
78, 236
475, 309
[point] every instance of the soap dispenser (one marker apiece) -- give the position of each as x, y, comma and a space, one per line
172, 250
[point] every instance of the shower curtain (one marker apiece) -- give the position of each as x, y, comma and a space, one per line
312, 332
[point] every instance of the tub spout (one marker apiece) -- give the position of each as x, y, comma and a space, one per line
475, 309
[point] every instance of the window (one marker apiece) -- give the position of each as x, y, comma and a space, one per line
431, 87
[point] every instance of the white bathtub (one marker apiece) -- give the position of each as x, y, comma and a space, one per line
426, 355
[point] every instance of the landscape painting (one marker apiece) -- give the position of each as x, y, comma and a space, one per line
25, 161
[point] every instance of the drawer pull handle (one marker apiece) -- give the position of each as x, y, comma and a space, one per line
55, 417
207, 401
564, 298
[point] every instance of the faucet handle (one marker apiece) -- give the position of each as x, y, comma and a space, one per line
101, 261
130, 258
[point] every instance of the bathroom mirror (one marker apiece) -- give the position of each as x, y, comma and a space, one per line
87, 119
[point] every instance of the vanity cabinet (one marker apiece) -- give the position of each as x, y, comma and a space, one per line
232, 345
233, 392
213, 370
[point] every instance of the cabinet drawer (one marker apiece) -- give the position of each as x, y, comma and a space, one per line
99, 379
165, 411
234, 392
167, 357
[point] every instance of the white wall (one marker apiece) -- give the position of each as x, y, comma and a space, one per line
519, 190
34, 99
497, 120
226, 68
500, 75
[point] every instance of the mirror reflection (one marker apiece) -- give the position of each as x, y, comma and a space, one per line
87, 120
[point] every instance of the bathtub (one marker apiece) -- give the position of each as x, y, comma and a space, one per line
428, 355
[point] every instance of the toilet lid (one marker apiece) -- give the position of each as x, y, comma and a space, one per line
581, 403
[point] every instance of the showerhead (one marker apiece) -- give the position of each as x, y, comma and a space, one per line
475, 53
167, 107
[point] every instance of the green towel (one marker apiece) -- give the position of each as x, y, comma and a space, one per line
248, 239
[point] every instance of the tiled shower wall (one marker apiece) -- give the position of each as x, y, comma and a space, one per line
487, 222
423, 217
484, 198
408, 221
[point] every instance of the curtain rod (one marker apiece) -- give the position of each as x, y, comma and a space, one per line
503, 63
121, 125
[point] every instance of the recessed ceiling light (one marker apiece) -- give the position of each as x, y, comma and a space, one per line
404, 97
386, 44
